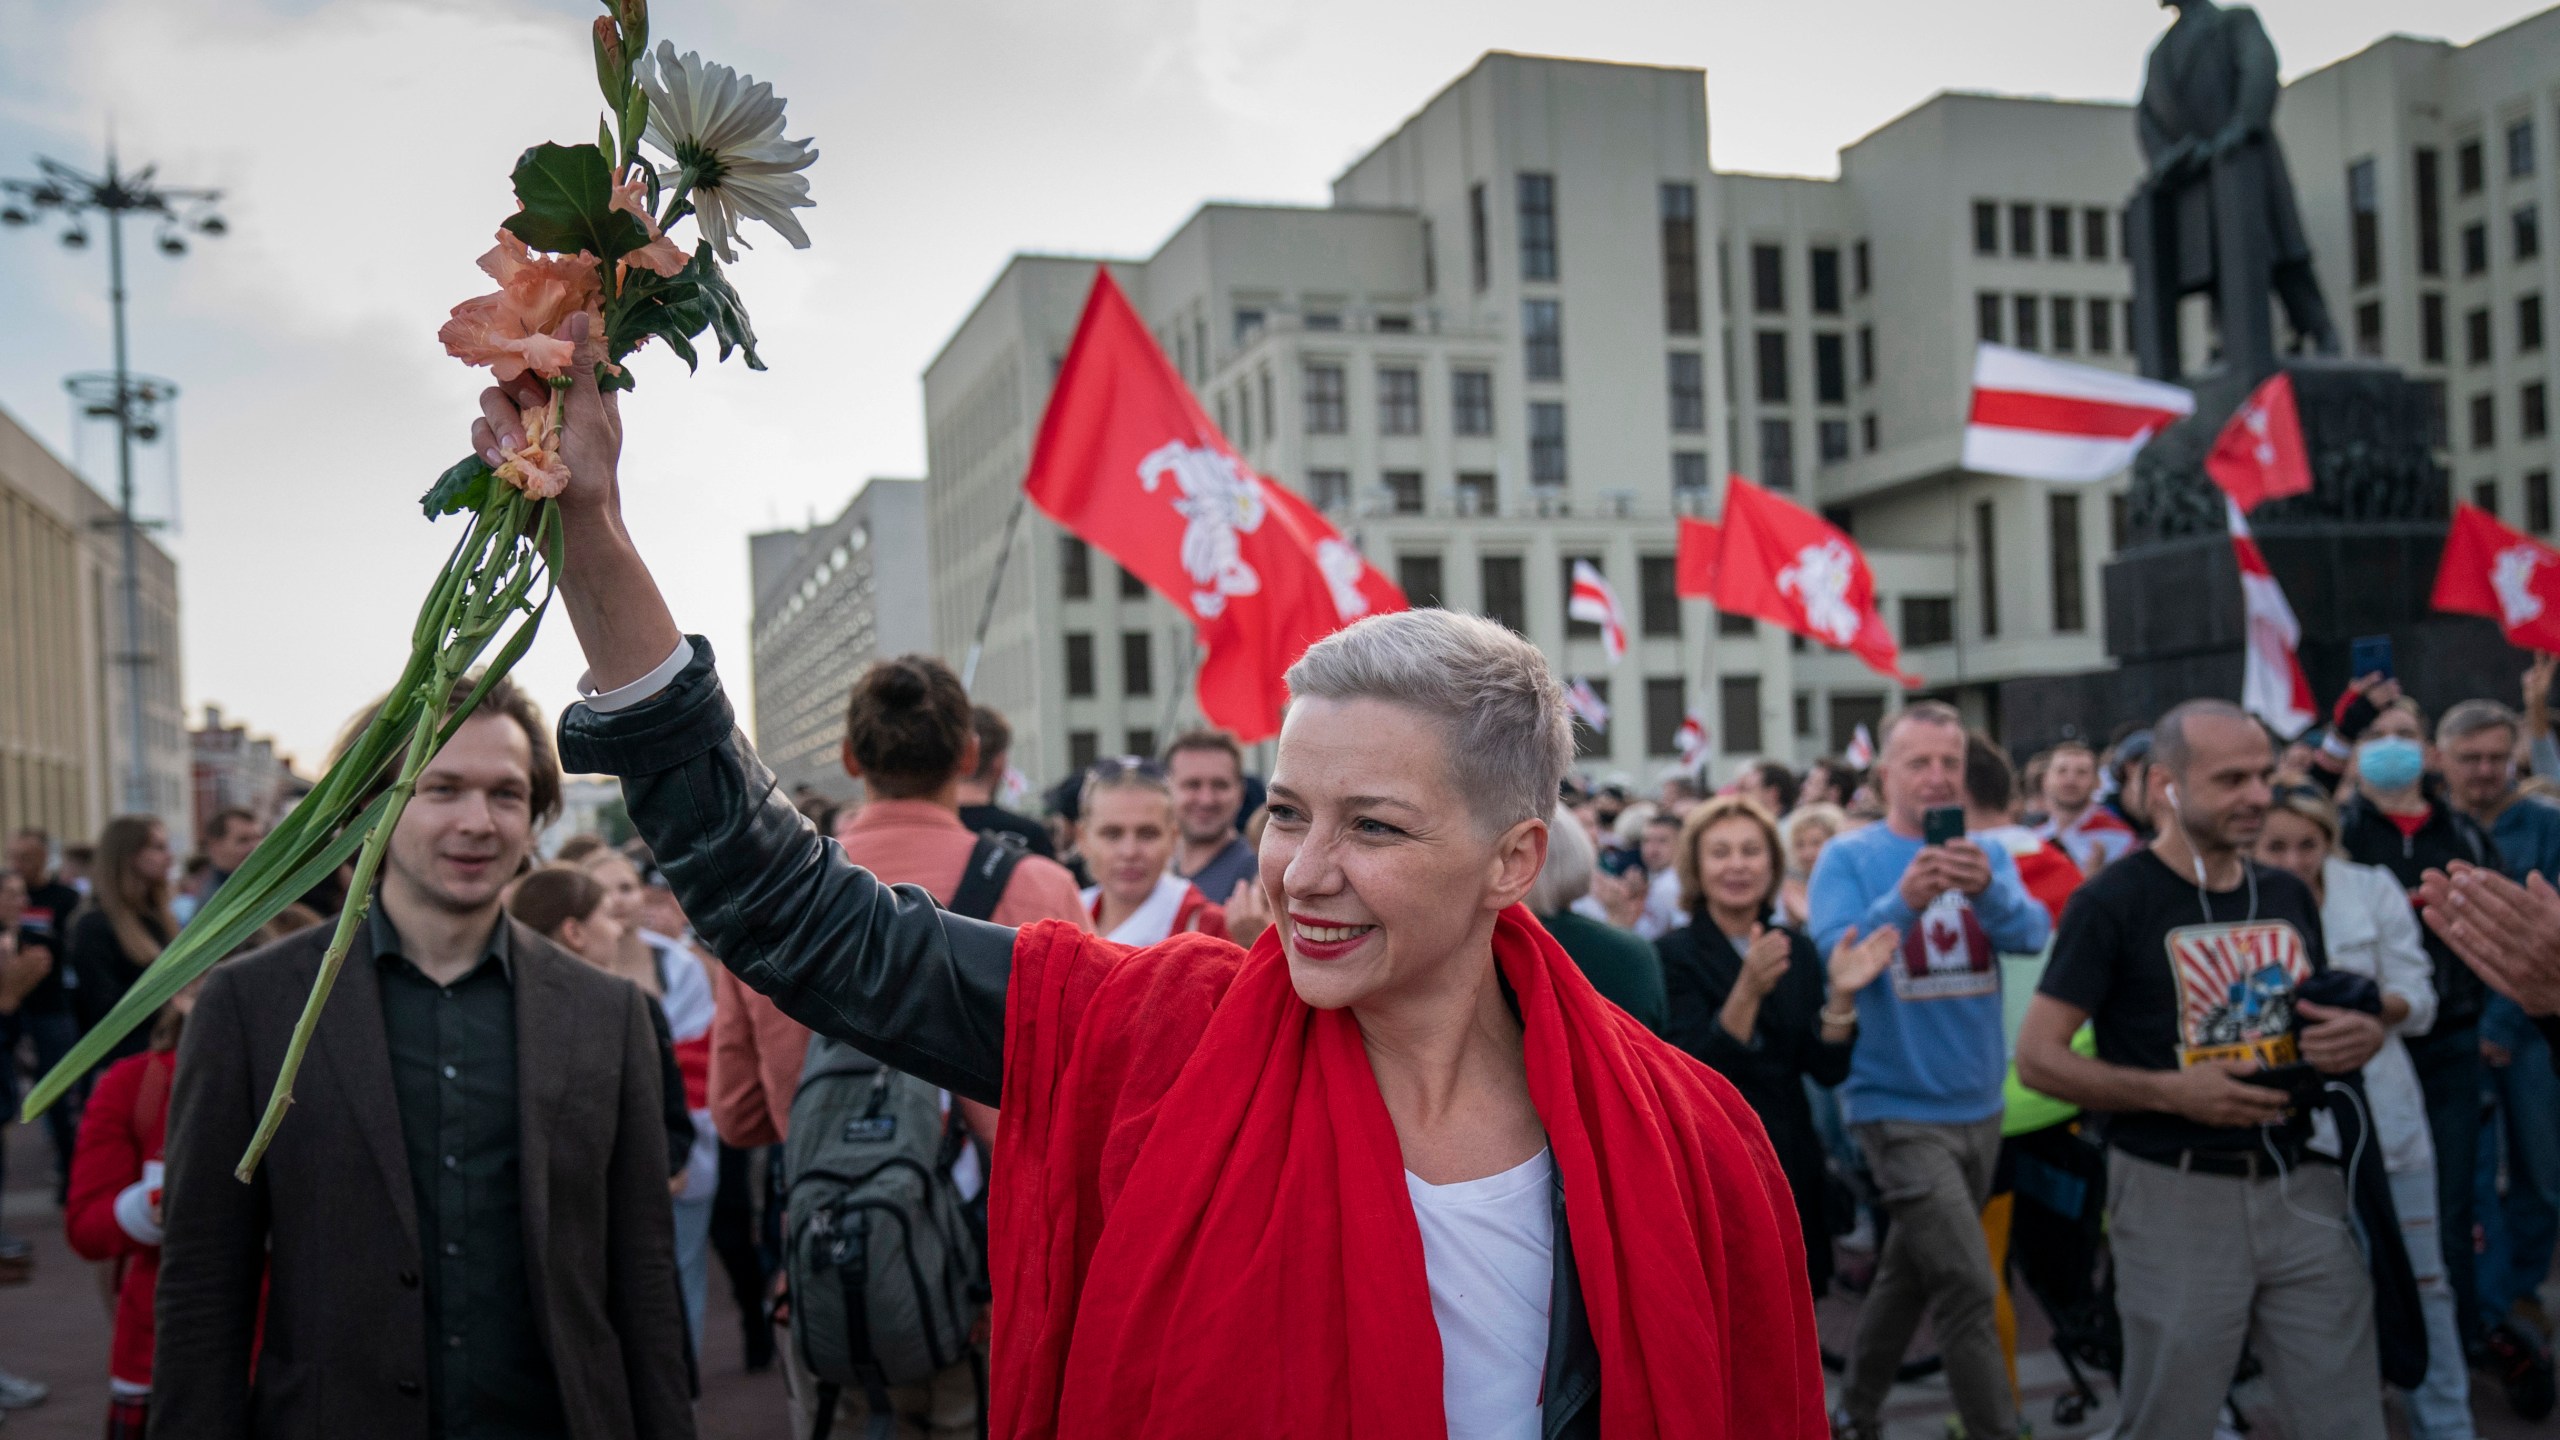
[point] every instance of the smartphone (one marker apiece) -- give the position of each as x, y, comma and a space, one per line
1942, 823
2369, 655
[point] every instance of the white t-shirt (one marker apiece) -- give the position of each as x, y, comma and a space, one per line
1489, 1249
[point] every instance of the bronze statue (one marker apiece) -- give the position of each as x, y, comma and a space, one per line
2216, 212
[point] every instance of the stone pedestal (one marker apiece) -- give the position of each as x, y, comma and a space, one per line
2356, 556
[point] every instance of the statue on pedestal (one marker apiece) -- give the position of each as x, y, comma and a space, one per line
2216, 213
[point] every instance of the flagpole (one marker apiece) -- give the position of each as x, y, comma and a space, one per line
995, 582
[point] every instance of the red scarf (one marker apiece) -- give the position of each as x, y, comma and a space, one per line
1201, 1225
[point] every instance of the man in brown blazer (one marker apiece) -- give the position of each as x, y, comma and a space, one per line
462, 1230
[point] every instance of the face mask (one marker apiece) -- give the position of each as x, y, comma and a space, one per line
2390, 763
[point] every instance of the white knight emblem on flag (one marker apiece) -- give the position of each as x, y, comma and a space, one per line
1219, 500
1342, 567
1819, 579
2511, 575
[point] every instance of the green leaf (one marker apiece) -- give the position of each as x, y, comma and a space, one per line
464, 487
728, 312
650, 304
567, 194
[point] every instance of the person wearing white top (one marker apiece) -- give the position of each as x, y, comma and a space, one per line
2370, 930
1127, 835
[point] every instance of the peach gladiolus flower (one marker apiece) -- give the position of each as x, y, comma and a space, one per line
511, 331
660, 254
536, 466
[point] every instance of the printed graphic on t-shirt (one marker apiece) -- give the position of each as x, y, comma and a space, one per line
1946, 955
2236, 984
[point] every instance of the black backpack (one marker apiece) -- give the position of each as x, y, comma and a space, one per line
886, 1263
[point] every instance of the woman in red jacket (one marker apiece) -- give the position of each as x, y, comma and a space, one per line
113, 1213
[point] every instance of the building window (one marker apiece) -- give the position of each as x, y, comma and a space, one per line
1537, 225
1927, 620
1404, 491
1249, 323
1327, 320
2528, 233
1399, 401
2369, 328
1479, 245
2484, 421
1688, 392
1141, 742
1862, 266
1768, 280
1577, 629
1688, 477
1680, 257
2062, 520
1430, 259
2102, 327
1137, 663
1777, 454
1471, 401
1658, 595
2537, 501
1830, 368
1326, 413
2467, 168
2430, 188
2093, 233
1477, 495
1665, 708
2475, 248
1986, 565
1735, 627
1395, 324
2431, 328
1987, 311
1588, 742
2520, 149
1419, 577
1330, 490
2057, 231
1542, 338
1131, 587
1079, 665
2475, 337
1986, 228
2533, 416
1866, 355
1502, 580
1826, 280
1083, 748
2484, 493
1264, 378
2528, 324
1867, 432
2025, 311
2022, 231
1546, 443
1769, 366
2066, 325
1075, 568
2364, 215
1831, 440
1738, 707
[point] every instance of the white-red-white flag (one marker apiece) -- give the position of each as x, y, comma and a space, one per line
1594, 603
1585, 702
2272, 685
2045, 419
1691, 740
1862, 749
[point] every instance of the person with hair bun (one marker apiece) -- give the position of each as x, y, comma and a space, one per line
1129, 833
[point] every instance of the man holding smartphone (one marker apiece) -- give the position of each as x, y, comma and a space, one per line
1923, 1096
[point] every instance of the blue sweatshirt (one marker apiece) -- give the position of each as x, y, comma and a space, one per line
1929, 1045
2528, 836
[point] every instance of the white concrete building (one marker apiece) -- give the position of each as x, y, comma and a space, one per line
829, 600
1535, 325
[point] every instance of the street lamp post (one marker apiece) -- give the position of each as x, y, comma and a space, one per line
72, 194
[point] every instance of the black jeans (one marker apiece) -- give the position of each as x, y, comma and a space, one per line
2448, 1064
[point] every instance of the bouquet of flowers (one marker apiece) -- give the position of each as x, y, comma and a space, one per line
590, 239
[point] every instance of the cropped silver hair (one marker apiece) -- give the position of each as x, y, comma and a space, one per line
1571, 857
1499, 708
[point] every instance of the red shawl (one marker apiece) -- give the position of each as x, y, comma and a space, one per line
1201, 1226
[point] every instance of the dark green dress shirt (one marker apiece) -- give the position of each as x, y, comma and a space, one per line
453, 1066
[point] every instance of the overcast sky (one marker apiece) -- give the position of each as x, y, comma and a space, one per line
364, 146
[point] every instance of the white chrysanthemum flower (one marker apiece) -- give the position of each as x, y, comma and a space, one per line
726, 130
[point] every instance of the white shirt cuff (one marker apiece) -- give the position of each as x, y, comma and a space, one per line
133, 1213
623, 697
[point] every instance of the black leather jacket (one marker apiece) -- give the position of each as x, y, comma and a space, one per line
878, 965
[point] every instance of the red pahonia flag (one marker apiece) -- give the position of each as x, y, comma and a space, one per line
2046, 419
1128, 460
1693, 571
1594, 603
1862, 749
2272, 686
2504, 574
2259, 456
1691, 739
1794, 569
1585, 702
